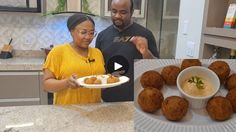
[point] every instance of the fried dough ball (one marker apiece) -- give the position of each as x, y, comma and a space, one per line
112, 79
221, 69
219, 108
169, 74
190, 62
92, 80
150, 99
174, 108
231, 82
231, 96
88, 80
152, 79
97, 81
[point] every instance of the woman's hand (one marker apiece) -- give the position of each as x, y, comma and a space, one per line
72, 81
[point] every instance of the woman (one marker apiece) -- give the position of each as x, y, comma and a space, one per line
67, 62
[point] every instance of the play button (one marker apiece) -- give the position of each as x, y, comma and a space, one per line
117, 64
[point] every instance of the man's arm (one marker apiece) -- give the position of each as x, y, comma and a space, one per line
141, 44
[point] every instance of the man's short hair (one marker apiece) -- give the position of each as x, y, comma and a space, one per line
131, 5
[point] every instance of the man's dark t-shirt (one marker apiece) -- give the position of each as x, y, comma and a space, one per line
112, 43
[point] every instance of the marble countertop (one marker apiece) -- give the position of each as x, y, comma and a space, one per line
103, 117
21, 64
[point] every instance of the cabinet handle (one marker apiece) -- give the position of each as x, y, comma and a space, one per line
19, 73
19, 100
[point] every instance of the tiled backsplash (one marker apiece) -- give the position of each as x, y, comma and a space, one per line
32, 31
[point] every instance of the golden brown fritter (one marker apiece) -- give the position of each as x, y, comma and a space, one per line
231, 96
152, 79
89, 80
150, 99
231, 82
174, 108
221, 69
92, 80
219, 108
190, 62
170, 74
97, 81
112, 79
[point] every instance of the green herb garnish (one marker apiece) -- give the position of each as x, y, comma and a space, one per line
198, 82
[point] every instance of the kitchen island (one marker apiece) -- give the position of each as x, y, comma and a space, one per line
101, 117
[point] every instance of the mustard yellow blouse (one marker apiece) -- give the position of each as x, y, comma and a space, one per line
63, 61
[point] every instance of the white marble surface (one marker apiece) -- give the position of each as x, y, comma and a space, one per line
21, 63
104, 117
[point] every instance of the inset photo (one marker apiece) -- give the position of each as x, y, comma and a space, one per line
185, 95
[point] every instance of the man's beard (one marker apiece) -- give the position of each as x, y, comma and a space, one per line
119, 24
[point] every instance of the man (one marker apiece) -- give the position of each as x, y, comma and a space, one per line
127, 39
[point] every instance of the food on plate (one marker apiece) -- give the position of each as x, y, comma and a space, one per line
197, 86
190, 62
89, 80
100, 79
174, 108
219, 108
97, 81
150, 99
170, 74
92, 80
231, 82
152, 79
112, 79
231, 96
221, 69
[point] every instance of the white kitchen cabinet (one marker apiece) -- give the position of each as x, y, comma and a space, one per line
21, 88
33, 6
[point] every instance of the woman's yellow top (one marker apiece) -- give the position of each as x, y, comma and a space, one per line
64, 61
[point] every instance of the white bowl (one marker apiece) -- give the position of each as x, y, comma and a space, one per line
198, 102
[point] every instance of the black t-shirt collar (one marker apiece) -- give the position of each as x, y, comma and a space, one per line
131, 23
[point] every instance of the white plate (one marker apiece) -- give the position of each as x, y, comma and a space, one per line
194, 121
103, 78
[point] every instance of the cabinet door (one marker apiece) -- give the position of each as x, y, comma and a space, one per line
19, 88
43, 93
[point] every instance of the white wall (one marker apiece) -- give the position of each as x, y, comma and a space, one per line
189, 28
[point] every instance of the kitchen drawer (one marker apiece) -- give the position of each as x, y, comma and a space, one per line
15, 85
